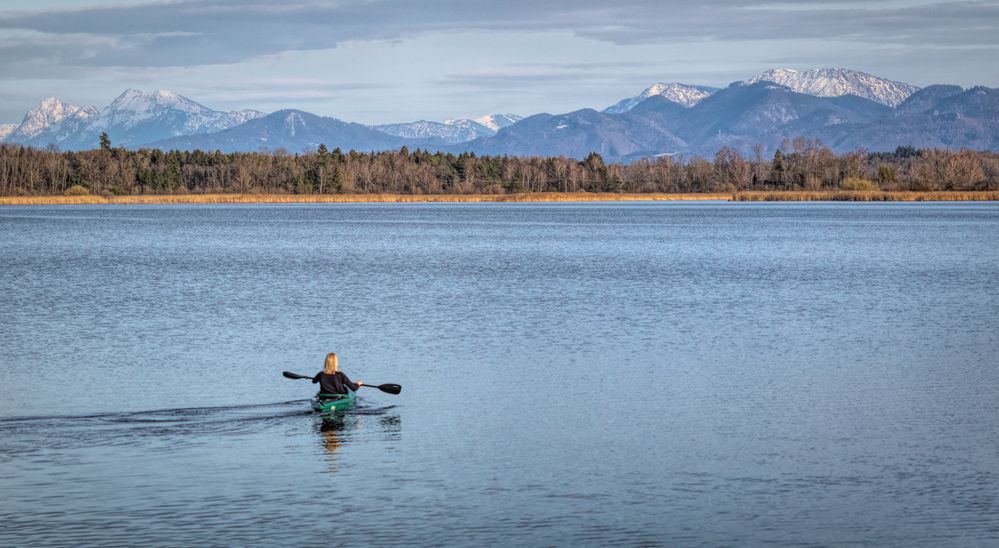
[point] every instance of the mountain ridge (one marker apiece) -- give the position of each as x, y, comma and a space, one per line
830, 107
836, 82
133, 118
451, 130
687, 95
289, 129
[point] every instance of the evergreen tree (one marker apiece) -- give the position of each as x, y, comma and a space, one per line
778, 167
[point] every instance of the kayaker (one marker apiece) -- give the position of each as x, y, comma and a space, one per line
331, 380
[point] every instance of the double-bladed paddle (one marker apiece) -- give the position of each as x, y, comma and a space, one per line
388, 388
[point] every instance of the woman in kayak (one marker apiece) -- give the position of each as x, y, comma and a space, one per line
331, 380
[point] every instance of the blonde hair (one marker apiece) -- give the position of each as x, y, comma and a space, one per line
332, 363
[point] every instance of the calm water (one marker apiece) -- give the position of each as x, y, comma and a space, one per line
682, 374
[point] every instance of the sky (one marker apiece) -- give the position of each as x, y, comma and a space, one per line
382, 61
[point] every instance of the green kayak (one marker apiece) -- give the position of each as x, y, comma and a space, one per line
332, 403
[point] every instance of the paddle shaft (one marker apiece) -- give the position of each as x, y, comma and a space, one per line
388, 388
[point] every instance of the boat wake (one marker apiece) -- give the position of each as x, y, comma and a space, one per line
164, 428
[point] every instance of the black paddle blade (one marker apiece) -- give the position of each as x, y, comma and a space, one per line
289, 375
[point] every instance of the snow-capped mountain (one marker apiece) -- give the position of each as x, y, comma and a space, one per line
497, 122
49, 113
684, 94
836, 82
467, 129
134, 118
740, 116
452, 130
133, 108
743, 116
449, 131
5, 130
844, 109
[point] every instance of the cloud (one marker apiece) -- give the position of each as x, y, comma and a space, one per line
207, 32
525, 76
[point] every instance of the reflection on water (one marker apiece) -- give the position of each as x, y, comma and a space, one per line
336, 430
330, 429
329, 426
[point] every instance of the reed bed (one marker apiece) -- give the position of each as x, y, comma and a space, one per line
749, 196
351, 198
863, 196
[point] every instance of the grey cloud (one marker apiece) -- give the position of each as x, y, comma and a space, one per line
191, 33
931, 24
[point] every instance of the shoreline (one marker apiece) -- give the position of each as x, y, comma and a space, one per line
745, 196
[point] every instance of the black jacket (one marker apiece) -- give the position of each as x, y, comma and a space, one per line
337, 383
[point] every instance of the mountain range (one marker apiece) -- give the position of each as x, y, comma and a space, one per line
451, 131
845, 109
133, 119
291, 130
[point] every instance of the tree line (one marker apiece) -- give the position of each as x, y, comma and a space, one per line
799, 164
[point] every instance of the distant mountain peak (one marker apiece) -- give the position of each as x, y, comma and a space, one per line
684, 94
458, 122
133, 100
835, 82
497, 122
49, 103
451, 130
49, 112
6, 129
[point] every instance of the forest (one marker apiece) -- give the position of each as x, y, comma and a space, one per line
799, 164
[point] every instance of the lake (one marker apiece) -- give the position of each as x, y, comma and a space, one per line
589, 374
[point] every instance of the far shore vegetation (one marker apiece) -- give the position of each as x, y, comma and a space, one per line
801, 169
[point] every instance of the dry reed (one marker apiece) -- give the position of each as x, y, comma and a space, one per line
863, 196
749, 196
